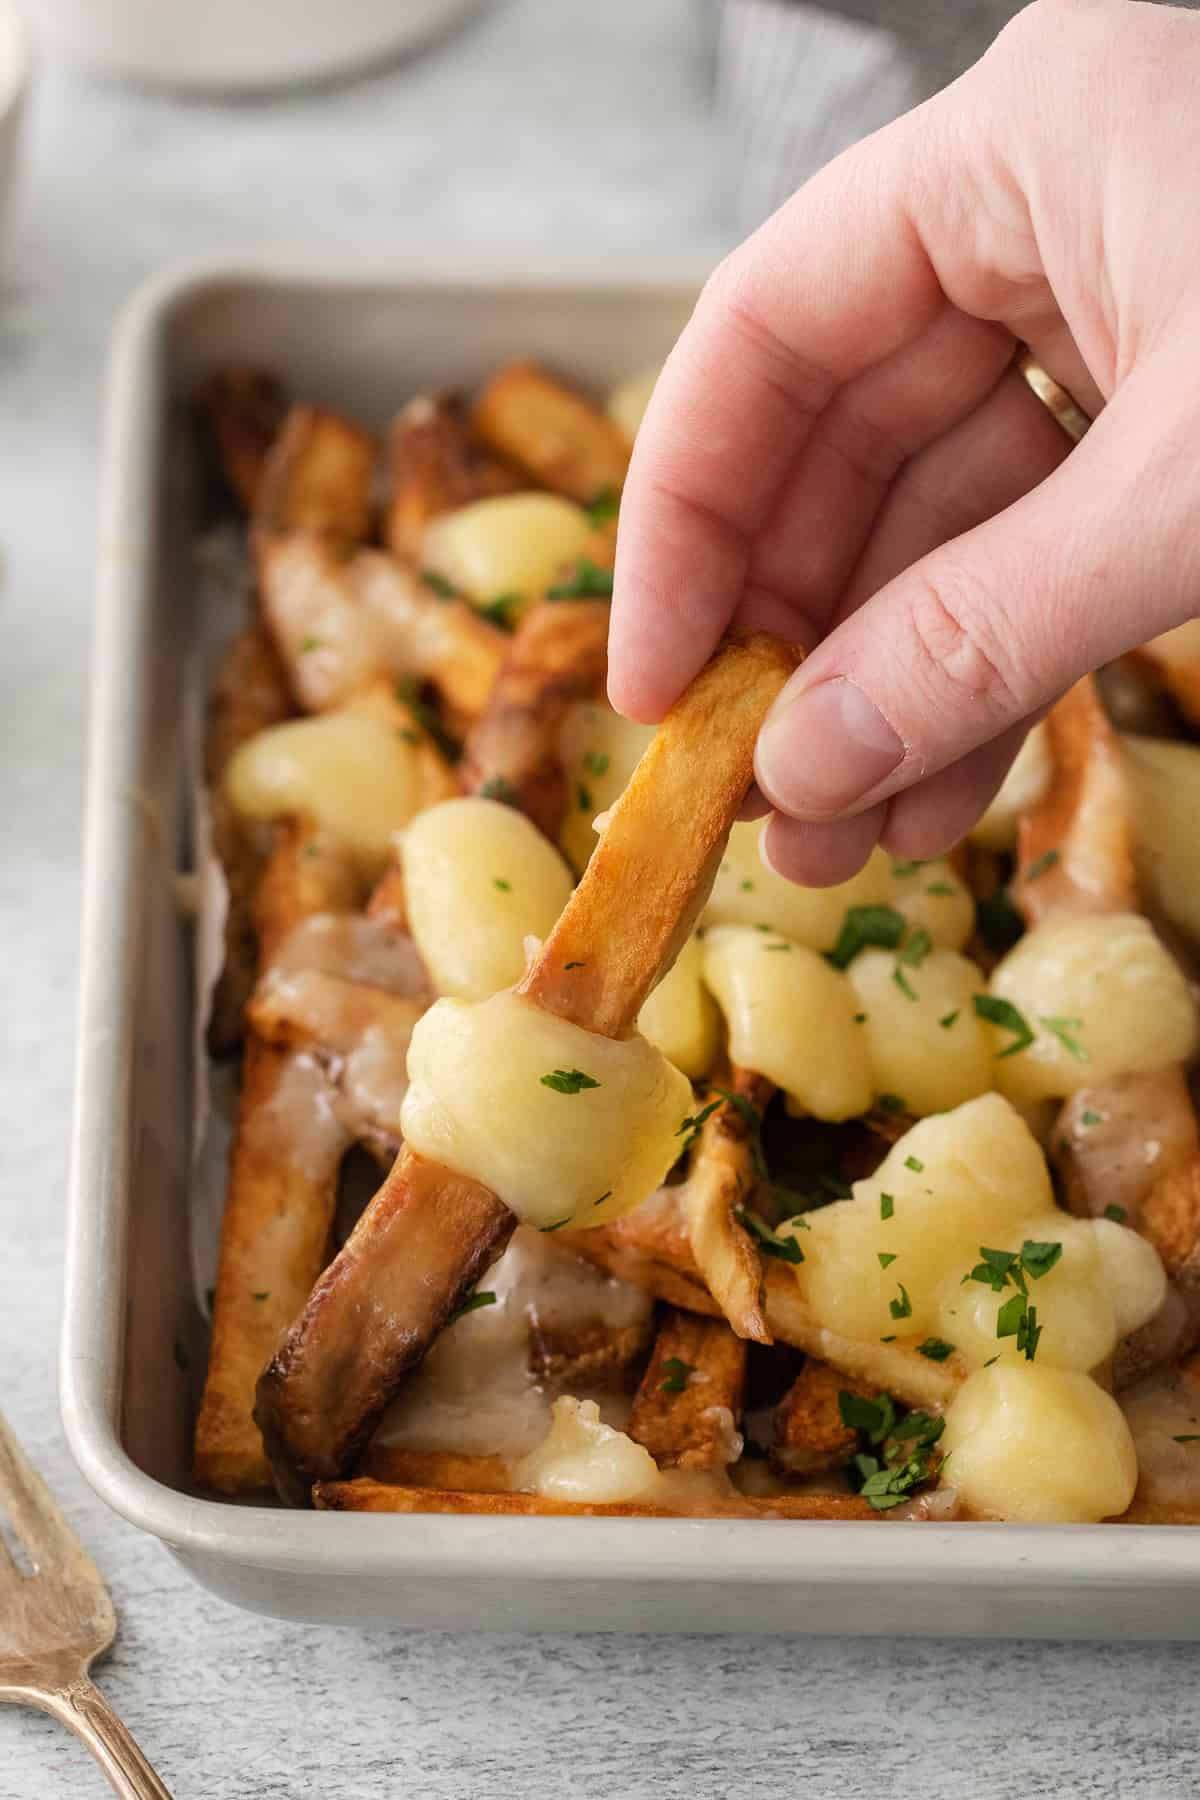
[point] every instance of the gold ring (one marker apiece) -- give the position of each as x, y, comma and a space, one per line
1058, 403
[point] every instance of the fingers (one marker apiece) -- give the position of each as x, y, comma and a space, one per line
830, 286
820, 855
936, 814
983, 631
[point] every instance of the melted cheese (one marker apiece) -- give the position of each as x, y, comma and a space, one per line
478, 879
1022, 788
511, 545
599, 750
1166, 786
680, 1018
747, 892
1039, 1444
352, 776
931, 1065
628, 401
584, 1460
791, 1017
1107, 982
478, 1103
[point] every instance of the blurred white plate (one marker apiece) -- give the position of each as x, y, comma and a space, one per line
242, 45
14, 77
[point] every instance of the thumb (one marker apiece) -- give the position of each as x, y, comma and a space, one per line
995, 624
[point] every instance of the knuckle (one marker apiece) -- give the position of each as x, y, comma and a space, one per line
959, 654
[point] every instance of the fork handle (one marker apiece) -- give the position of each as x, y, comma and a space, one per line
81, 1706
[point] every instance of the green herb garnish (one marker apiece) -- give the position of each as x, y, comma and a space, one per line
901, 1308
472, 1303
583, 796
941, 887
886, 1257
877, 1418
1088, 1117
1038, 1259
892, 1103
497, 788
1005, 1015
1116, 1213
1000, 924
753, 1120
911, 956
505, 887
1042, 864
1062, 1029
568, 1081
936, 1349
691, 1126
746, 887
881, 926
575, 965
589, 582
786, 1249
677, 1372
596, 762
309, 643
445, 590
887, 1206
915, 1164
500, 610
604, 507
947, 1019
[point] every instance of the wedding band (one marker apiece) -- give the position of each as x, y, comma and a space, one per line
1054, 398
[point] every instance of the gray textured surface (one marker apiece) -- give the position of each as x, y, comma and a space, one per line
558, 125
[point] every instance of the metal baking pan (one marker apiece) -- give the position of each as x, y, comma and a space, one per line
133, 1339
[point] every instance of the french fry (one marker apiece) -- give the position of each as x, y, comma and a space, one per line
651, 1249
567, 1355
1173, 661
317, 477
557, 656
435, 465
687, 1408
720, 1179
1082, 822
339, 620
810, 1436
552, 432
469, 1474
243, 410
428, 1234
370, 1496
250, 693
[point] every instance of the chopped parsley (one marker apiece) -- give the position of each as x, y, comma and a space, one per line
786, 1249
604, 506
911, 956
500, 610
1000, 924
905, 1449
584, 796
887, 1206
1062, 1029
676, 1372
1042, 865
575, 965
691, 1126
877, 1418
568, 1081
312, 850
408, 734
901, 1308
589, 582
881, 926
936, 1349
991, 1360
1187, 1437
779, 946
1038, 1259
596, 762
947, 1019
472, 1303
886, 1258
1004, 1014
892, 1103
603, 1198
497, 788
908, 868
408, 692
860, 1018
941, 888
505, 887
1088, 1117
558, 1223
915, 1164
1116, 1213
746, 887
264, 1295
309, 643
890, 1339
445, 590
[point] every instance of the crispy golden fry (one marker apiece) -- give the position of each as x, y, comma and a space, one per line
810, 1434
243, 410
250, 693
428, 1234
423, 1241
650, 873
552, 432
377, 1497
720, 1180
317, 477
308, 873
469, 1474
689, 1403
571, 1356
1083, 818
558, 655
1170, 1218
651, 1249
436, 464
340, 620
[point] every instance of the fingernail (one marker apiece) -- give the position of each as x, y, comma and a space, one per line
821, 751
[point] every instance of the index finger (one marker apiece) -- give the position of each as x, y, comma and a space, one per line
834, 282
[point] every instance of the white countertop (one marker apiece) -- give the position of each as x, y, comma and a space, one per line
567, 127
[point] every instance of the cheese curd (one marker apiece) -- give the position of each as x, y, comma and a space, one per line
629, 399
933, 899
599, 751
1022, 788
1103, 997
583, 1460
920, 1031
953, 1182
791, 1017
510, 546
351, 775
680, 1017
1072, 1300
1166, 785
747, 892
1040, 1445
478, 879
564, 1125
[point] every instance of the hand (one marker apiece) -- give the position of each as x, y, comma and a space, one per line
840, 449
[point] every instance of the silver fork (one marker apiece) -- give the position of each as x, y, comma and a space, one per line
55, 1621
